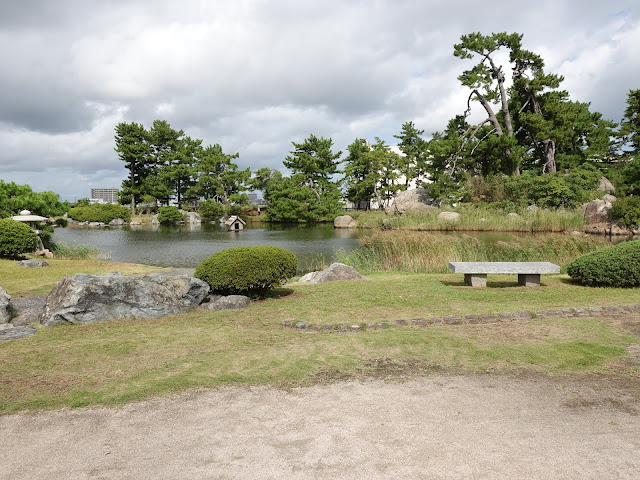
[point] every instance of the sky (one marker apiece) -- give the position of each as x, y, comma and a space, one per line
256, 75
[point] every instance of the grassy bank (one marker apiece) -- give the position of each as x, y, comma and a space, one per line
125, 360
422, 252
476, 218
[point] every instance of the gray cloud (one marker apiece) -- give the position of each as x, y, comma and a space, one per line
254, 75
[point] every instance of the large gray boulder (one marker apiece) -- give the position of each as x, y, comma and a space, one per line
345, 221
5, 307
337, 271
605, 185
596, 211
415, 199
116, 222
192, 217
84, 298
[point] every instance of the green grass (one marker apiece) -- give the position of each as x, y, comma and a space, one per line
125, 360
431, 252
64, 251
476, 218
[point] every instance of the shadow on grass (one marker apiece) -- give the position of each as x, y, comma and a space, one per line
494, 284
280, 292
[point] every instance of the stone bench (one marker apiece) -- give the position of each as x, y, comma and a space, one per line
475, 273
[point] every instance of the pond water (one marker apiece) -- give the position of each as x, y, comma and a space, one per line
188, 245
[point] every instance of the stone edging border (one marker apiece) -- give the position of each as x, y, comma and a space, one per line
468, 319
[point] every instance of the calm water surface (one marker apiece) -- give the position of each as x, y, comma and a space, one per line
188, 245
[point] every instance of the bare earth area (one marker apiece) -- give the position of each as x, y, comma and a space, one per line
440, 426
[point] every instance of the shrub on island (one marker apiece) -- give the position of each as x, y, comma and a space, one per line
250, 271
100, 213
615, 266
169, 214
16, 238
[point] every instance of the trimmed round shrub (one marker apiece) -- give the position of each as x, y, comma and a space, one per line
250, 271
169, 214
16, 238
615, 266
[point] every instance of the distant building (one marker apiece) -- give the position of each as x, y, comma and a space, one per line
104, 195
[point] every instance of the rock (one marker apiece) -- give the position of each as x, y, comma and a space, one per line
532, 208
27, 310
605, 185
154, 220
116, 222
228, 302
344, 221
596, 211
308, 277
6, 310
513, 215
96, 224
412, 199
449, 216
135, 222
387, 224
84, 298
13, 333
603, 228
618, 228
609, 198
44, 252
33, 263
336, 272
192, 217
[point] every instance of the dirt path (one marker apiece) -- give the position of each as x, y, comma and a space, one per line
429, 427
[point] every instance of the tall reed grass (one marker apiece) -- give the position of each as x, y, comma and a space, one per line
64, 251
476, 218
431, 252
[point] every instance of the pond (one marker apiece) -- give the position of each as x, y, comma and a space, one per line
188, 245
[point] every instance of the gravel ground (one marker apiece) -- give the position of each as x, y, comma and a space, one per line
436, 427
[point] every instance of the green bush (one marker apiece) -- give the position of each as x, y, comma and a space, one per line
100, 213
251, 271
211, 210
615, 266
627, 211
16, 238
168, 215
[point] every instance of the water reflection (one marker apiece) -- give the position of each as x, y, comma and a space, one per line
188, 245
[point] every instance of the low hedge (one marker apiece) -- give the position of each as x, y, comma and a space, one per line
16, 238
100, 213
615, 266
250, 271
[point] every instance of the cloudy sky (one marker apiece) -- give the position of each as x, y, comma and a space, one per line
255, 75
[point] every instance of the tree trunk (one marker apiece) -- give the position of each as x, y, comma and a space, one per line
549, 156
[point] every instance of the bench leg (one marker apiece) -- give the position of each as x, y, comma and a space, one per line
529, 279
475, 279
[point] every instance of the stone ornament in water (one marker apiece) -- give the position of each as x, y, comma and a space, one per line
84, 298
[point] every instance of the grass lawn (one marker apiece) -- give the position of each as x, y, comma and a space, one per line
124, 360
